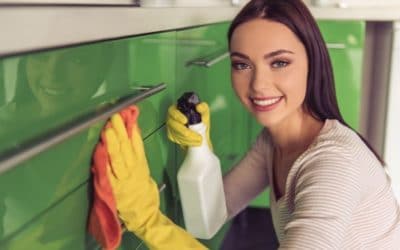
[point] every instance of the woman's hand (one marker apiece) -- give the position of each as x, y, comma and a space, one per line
179, 133
136, 193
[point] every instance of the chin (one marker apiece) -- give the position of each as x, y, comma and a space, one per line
268, 120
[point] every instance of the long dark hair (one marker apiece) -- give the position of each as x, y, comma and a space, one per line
320, 99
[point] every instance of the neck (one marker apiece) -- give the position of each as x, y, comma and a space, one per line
293, 136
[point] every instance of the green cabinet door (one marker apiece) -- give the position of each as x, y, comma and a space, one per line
62, 226
150, 60
33, 187
345, 41
46, 92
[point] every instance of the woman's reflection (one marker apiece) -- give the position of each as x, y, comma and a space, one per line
48, 87
66, 78
55, 86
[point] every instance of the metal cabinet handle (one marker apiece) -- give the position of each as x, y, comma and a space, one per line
210, 62
162, 187
13, 157
336, 45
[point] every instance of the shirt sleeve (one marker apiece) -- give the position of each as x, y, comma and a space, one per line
326, 192
248, 178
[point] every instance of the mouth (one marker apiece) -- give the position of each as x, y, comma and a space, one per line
266, 104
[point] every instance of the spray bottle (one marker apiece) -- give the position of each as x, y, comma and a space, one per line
200, 179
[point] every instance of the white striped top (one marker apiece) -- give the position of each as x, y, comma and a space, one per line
338, 195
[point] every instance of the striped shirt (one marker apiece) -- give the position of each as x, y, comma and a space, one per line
338, 195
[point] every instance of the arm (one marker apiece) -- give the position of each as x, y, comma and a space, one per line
326, 192
136, 193
248, 178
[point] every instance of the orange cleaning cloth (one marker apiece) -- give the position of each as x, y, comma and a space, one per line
104, 225
103, 222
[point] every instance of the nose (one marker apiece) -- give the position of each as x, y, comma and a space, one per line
261, 79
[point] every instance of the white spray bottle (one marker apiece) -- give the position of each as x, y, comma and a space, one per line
200, 179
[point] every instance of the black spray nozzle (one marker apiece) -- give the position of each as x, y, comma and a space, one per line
187, 105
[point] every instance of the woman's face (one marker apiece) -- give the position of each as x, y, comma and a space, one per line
66, 77
269, 71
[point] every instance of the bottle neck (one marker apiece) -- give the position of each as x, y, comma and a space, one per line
201, 129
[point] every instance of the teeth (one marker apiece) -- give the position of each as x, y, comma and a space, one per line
266, 102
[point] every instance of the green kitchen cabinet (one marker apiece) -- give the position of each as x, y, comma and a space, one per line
150, 61
46, 93
31, 188
62, 226
50, 89
46, 90
345, 42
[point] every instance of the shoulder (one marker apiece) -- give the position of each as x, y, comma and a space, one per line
336, 141
336, 149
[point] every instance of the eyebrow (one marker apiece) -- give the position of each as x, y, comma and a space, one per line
266, 56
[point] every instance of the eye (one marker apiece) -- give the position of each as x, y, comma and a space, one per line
279, 64
240, 66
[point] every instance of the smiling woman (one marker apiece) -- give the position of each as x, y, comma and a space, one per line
328, 187
269, 71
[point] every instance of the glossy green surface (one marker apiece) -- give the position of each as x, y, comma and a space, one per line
49, 89
62, 226
34, 103
34, 186
151, 60
347, 65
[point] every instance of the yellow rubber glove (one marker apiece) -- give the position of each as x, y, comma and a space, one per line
136, 193
178, 132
